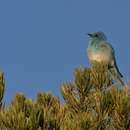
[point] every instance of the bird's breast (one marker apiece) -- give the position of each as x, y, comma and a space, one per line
99, 56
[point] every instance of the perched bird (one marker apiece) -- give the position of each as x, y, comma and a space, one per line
100, 50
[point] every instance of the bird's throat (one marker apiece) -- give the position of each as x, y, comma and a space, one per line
95, 41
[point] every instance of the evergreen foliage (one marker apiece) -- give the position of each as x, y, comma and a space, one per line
91, 102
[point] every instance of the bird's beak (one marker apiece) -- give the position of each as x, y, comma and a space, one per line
89, 34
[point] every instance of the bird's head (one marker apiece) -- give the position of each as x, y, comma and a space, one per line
97, 35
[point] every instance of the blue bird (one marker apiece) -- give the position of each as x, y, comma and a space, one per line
101, 51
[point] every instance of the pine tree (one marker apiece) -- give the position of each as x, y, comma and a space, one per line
92, 101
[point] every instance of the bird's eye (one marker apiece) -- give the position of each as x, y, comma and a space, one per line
96, 35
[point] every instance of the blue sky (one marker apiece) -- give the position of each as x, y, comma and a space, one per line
42, 41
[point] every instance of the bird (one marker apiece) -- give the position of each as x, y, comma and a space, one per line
101, 51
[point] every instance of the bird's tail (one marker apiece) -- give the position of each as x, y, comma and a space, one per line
116, 76
121, 80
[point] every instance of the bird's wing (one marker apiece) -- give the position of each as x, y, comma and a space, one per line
113, 69
113, 63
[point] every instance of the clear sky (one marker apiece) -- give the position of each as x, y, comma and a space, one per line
42, 41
